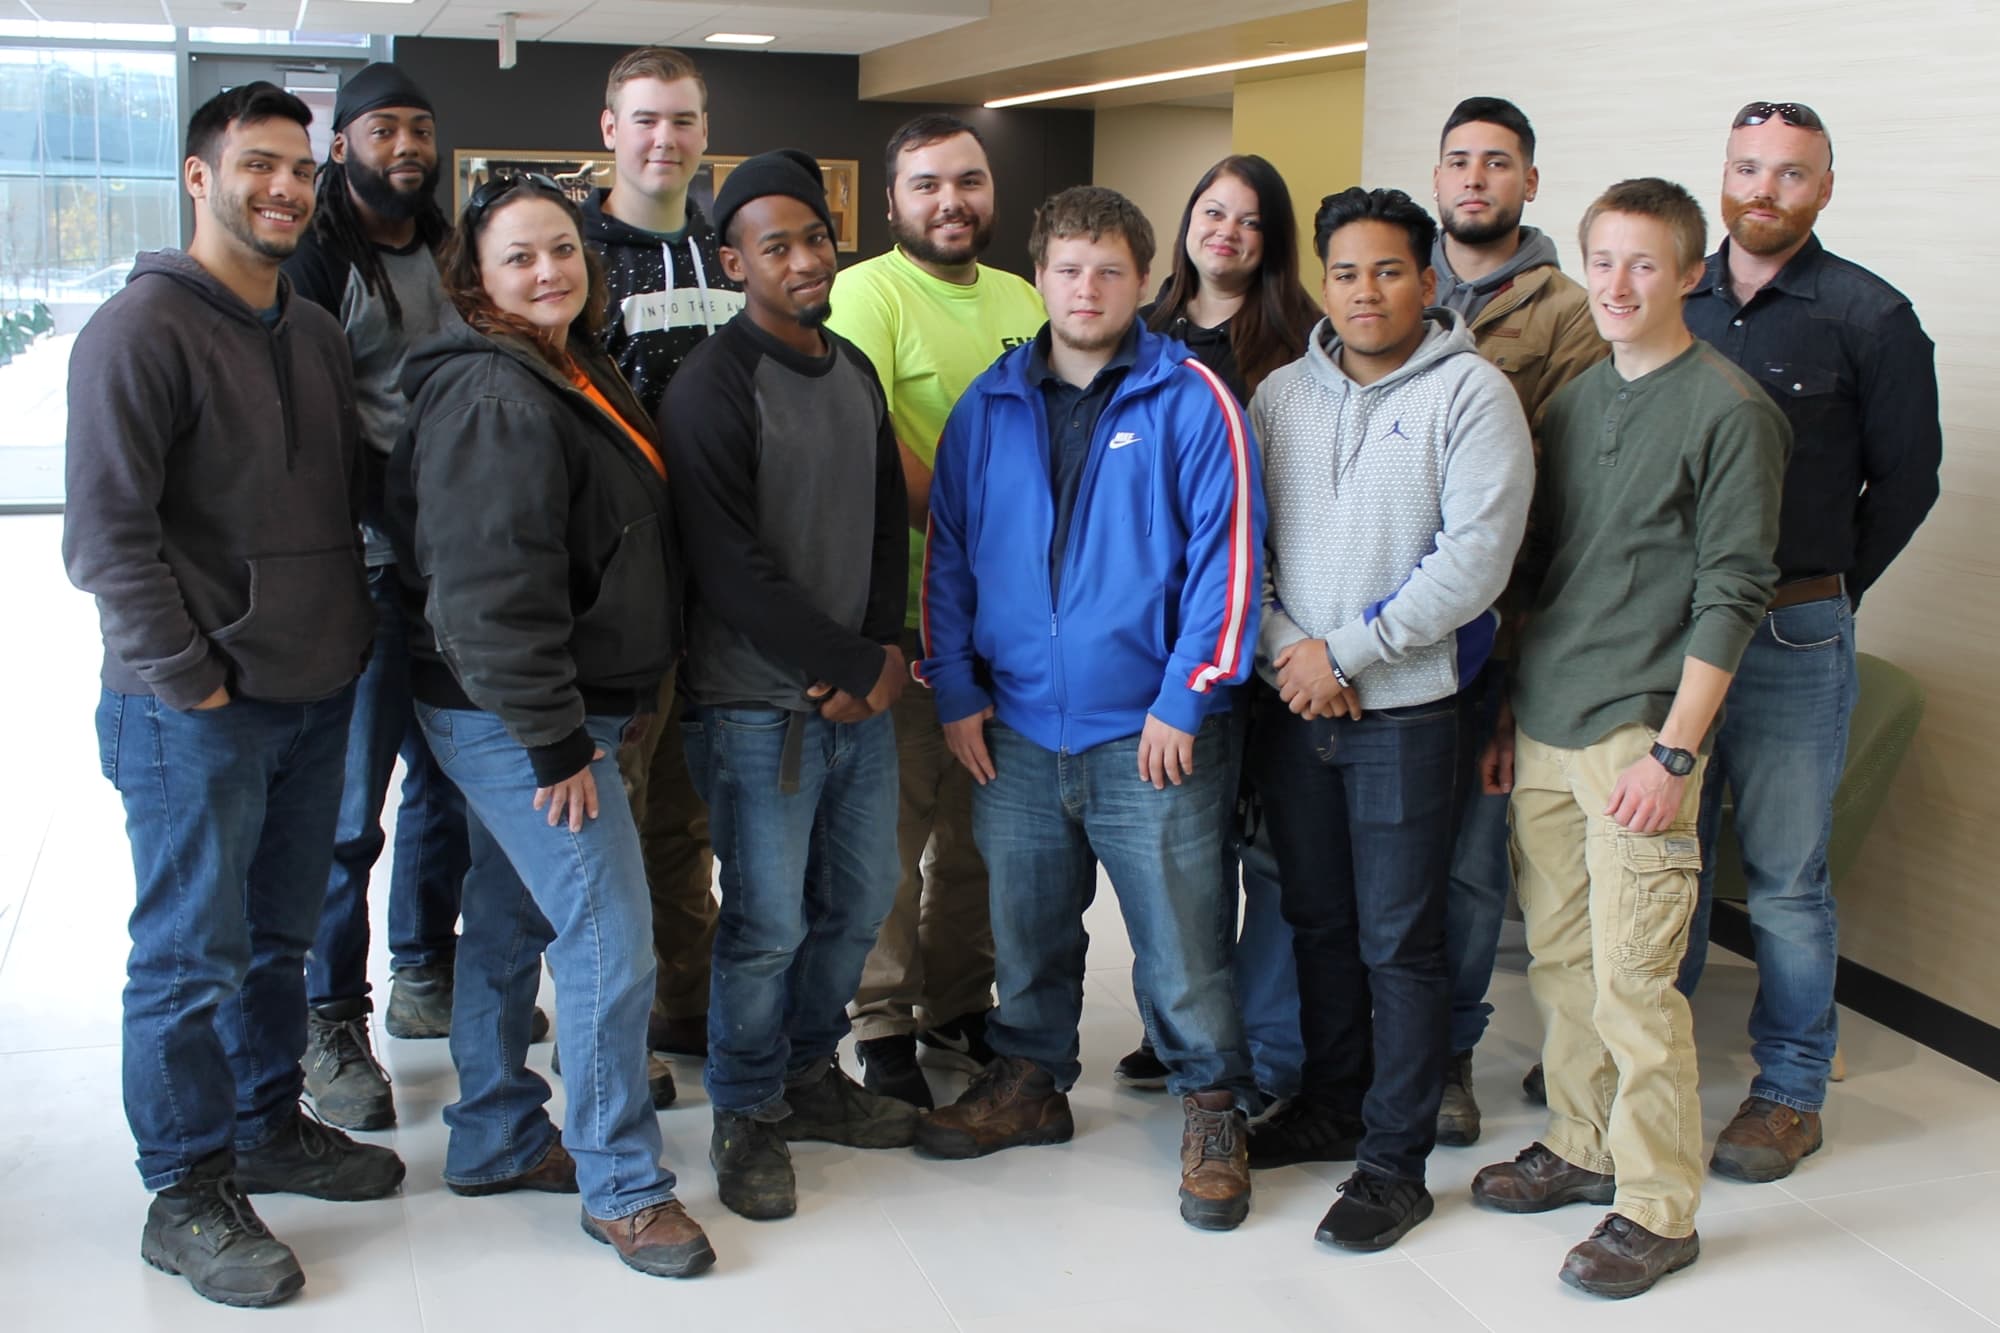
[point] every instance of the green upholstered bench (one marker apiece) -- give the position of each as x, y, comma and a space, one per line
1885, 720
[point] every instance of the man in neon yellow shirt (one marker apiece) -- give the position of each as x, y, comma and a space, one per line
932, 319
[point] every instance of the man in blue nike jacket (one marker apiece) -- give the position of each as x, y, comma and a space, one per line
1090, 595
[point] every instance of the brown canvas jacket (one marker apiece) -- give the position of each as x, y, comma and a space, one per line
1538, 330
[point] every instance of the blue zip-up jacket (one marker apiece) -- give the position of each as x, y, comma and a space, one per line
1161, 570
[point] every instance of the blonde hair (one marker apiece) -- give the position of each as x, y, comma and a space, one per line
1651, 197
652, 62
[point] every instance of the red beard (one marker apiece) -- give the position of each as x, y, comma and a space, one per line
1762, 237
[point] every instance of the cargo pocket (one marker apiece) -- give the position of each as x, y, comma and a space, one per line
1659, 877
309, 623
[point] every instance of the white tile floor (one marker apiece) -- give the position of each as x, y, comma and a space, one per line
1896, 1219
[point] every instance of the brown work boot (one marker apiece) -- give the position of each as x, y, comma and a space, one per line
554, 1174
1538, 1180
1010, 1104
1215, 1161
1622, 1258
661, 1241
1765, 1141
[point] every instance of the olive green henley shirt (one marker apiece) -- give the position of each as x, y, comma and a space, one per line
1656, 513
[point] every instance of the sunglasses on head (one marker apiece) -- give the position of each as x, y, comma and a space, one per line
500, 186
1796, 114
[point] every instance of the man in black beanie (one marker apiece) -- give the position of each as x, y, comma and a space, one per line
370, 260
790, 489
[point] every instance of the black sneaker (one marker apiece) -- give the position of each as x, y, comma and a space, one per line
1458, 1113
959, 1044
307, 1157
1142, 1070
831, 1107
1534, 1087
889, 1067
753, 1168
420, 1001
1304, 1131
1374, 1212
204, 1229
346, 1083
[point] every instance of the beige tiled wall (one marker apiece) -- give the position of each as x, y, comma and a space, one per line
1618, 88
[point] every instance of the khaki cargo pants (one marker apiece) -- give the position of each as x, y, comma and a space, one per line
1607, 914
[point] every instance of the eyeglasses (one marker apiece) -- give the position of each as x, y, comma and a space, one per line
1796, 114
500, 186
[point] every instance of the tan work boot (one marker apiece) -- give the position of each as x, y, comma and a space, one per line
661, 1241
1011, 1103
1215, 1161
1765, 1141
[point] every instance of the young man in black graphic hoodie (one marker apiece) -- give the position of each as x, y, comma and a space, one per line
663, 268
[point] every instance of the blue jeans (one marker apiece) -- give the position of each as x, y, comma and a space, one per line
1265, 975
428, 867
1481, 874
807, 878
582, 898
1043, 824
230, 813
1360, 816
1779, 754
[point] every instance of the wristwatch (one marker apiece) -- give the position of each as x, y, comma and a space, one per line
1339, 676
1680, 763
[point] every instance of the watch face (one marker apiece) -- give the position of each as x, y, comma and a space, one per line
1677, 762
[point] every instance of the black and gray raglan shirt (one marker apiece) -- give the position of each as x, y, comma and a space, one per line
788, 491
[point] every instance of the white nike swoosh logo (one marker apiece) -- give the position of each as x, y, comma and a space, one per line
962, 1044
1123, 438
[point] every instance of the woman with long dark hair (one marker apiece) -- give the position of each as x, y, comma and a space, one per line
529, 505
1234, 295
1235, 299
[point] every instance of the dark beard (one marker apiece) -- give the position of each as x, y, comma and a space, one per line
1496, 225
233, 212
917, 243
1767, 238
815, 316
385, 200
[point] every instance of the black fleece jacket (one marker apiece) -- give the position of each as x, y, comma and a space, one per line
540, 539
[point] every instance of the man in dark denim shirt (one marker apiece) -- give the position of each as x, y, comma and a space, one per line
1842, 353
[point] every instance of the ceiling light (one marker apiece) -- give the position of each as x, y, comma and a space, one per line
741, 38
1198, 71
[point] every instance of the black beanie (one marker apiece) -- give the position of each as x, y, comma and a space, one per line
786, 171
380, 84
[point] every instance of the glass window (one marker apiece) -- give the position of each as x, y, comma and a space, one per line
89, 177
275, 37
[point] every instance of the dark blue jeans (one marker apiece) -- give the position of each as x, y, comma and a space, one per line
230, 812
1481, 874
1044, 824
427, 869
1780, 753
581, 897
1264, 974
1360, 816
807, 877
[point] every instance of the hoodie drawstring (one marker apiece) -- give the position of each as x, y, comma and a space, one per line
700, 278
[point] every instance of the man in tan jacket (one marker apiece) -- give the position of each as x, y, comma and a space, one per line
1533, 323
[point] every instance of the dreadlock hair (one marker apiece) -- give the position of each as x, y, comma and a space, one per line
338, 226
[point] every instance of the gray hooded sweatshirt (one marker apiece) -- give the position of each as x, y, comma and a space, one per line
1469, 298
1395, 511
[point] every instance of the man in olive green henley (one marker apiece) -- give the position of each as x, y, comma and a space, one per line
1649, 568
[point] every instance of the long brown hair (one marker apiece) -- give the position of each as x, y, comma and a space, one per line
1271, 329
462, 284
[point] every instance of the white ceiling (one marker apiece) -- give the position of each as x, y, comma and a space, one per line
847, 27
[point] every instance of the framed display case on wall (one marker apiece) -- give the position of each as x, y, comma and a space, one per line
580, 173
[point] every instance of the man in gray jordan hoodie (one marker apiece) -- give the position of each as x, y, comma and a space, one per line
1397, 472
